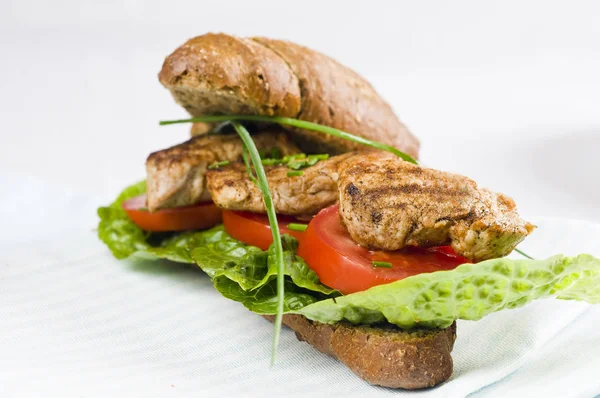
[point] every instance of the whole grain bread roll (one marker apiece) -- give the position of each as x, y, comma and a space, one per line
382, 355
223, 74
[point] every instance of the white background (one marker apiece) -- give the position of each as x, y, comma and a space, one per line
506, 92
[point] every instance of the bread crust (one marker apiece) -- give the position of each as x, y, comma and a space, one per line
223, 74
336, 96
382, 355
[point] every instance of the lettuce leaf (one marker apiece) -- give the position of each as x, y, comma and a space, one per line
116, 230
125, 239
240, 272
435, 300
471, 291
248, 275
263, 300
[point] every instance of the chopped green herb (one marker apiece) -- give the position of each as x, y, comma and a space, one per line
524, 254
296, 156
297, 227
302, 124
322, 156
314, 159
270, 162
295, 173
261, 180
296, 164
219, 164
381, 264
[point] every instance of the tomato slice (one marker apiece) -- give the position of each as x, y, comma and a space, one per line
342, 264
198, 216
253, 229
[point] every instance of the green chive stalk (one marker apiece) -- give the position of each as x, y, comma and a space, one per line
219, 164
381, 264
522, 253
261, 179
297, 227
302, 124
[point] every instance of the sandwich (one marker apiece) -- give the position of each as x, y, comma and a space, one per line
300, 195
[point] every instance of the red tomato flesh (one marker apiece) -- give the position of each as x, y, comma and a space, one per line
342, 264
254, 229
198, 216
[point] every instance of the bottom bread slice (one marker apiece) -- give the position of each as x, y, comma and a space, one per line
382, 355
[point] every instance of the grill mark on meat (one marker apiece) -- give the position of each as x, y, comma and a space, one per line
376, 217
467, 217
304, 195
394, 206
412, 228
413, 189
353, 190
386, 203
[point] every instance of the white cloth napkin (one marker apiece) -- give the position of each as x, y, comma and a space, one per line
75, 322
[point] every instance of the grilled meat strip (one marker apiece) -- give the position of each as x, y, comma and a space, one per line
386, 203
304, 195
176, 176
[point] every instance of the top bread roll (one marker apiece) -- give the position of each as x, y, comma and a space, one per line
223, 74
